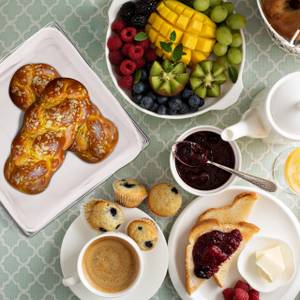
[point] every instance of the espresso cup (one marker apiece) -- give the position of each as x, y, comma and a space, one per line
91, 271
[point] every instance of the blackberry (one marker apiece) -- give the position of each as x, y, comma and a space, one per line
146, 7
127, 11
139, 21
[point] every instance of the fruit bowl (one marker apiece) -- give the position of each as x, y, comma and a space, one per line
230, 91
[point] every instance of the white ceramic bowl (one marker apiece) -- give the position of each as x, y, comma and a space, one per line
238, 163
247, 266
230, 91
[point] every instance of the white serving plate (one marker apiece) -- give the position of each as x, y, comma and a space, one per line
155, 261
75, 177
230, 91
272, 217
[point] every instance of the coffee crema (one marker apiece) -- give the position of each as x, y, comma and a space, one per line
110, 265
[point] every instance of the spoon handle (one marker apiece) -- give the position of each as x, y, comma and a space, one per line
264, 184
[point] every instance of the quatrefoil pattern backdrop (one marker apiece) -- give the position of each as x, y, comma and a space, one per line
30, 267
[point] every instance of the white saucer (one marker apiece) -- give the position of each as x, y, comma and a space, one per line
155, 261
269, 214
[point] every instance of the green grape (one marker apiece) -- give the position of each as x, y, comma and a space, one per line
236, 40
219, 13
234, 56
207, 12
223, 61
236, 21
201, 5
229, 6
224, 35
214, 3
220, 49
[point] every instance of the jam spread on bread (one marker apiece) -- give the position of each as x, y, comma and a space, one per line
204, 176
212, 249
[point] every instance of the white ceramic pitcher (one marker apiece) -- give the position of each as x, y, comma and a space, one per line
274, 114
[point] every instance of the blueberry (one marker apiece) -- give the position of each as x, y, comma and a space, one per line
154, 107
193, 109
147, 102
113, 211
102, 229
194, 101
175, 104
139, 88
117, 227
140, 228
137, 98
162, 99
151, 95
187, 93
184, 109
128, 185
162, 110
171, 112
174, 190
149, 244
144, 75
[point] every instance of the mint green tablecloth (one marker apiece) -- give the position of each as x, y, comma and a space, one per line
30, 267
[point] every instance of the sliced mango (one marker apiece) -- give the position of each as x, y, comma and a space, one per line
193, 29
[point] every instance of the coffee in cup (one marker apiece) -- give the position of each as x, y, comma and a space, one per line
110, 265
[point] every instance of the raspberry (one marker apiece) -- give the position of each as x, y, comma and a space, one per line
118, 25
242, 285
128, 34
136, 52
126, 82
228, 294
115, 57
144, 44
127, 67
240, 294
126, 47
150, 55
253, 295
140, 63
114, 43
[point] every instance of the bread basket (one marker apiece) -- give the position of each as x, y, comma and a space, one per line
289, 46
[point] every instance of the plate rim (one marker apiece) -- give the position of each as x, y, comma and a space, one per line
293, 291
145, 214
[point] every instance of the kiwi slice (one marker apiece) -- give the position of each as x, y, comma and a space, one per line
168, 79
207, 78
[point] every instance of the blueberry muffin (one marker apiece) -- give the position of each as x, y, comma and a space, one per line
164, 200
129, 192
144, 233
103, 215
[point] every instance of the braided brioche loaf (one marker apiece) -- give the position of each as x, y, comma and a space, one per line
95, 139
49, 129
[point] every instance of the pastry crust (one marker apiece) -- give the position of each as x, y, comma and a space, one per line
283, 17
48, 130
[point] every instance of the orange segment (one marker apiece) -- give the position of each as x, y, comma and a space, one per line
292, 170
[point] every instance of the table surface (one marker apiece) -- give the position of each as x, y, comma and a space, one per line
30, 267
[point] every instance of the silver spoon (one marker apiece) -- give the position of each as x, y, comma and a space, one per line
198, 155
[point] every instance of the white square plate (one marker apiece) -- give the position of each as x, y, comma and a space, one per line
75, 177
